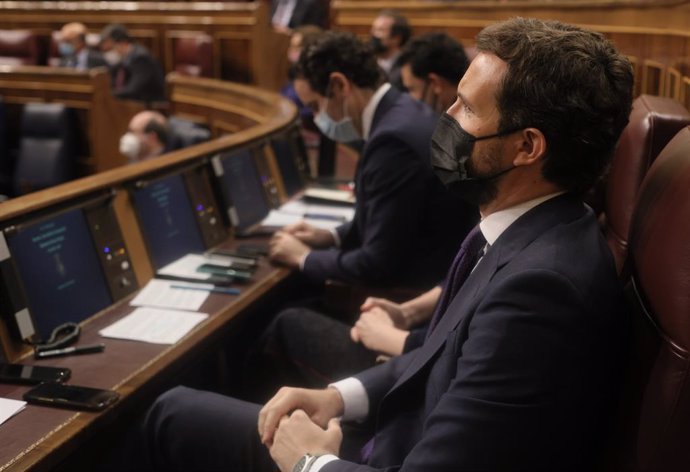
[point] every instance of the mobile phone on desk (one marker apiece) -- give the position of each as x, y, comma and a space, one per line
221, 280
253, 249
32, 374
216, 269
71, 396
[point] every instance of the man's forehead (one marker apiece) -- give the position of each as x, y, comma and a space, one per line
305, 92
480, 83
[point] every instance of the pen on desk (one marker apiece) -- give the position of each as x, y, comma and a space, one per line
70, 350
227, 291
322, 216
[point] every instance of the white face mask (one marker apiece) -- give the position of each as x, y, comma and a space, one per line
112, 57
130, 146
342, 131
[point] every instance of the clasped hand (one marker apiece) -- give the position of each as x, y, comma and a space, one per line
289, 245
296, 421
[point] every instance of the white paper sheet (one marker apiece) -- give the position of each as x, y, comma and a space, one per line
341, 196
153, 325
162, 294
319, 216
9, 408
186, 267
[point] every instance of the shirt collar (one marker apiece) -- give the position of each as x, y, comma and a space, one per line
496, 223
370, 109
387, 64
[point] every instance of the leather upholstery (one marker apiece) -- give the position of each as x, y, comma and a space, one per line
19, 47
194, 55
656, 411
47, 148
653, 122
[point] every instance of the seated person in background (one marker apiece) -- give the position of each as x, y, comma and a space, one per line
299, 37
147, 137
431, 66
390, 31
406, 225
136, 74
287, 15
521, 369
73, 49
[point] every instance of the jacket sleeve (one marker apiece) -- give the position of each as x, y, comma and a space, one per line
142, 70
510, 392
395, 182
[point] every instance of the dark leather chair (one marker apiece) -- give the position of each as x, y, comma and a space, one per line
184, 133
193, 55
19, 47
654, 426
653, 122
47, 147
6, 158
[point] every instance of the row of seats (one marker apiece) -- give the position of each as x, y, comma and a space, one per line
645, 219
49, 147
192, 53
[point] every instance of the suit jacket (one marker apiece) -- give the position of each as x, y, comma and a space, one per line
144, 79
406, 227
520, 372
306, 12
93, 59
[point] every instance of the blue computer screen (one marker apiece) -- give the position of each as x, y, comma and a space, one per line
60, 270
287, 163
242, 183
167, 220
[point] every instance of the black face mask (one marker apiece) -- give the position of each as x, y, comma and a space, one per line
451, 149
377, 45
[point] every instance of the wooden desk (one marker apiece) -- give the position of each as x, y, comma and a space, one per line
39, 438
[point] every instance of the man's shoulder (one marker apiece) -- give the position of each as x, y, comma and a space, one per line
404, 117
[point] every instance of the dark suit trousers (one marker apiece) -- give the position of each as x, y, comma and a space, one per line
304, 348
191, 430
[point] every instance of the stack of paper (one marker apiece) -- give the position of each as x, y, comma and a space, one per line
153, 325
9, 408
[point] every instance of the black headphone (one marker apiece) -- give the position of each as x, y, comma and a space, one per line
63, 335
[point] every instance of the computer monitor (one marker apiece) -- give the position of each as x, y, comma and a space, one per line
59, 269
167, 220
241, 188
290, 156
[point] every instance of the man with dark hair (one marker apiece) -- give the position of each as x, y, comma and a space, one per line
521, 365
390, 31
430, 67
397, 192
146, 138
74, 51
136, 74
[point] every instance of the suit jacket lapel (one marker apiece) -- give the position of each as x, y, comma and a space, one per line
518, 236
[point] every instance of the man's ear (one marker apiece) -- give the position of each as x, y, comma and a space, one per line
339, 85
434, 83
531, 147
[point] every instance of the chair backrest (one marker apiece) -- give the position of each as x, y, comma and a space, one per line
19, 47
184, 133
656, 408
47, 147
193, 55
653, 122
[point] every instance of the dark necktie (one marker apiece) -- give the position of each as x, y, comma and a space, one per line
465, 260
120, 78
467, 257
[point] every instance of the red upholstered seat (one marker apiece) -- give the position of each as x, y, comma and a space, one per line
653, 432
19, 47
653, 122
193, 55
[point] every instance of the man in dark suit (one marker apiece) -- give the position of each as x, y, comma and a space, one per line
406, 224
286, 15
74, 51
390, 31
136, 74
520, 367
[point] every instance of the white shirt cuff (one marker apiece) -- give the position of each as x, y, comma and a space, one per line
336, 238
303, 261
355, 399
321, 461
